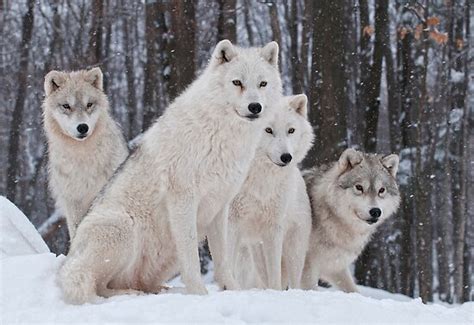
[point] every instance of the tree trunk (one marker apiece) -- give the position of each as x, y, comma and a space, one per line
296, 79
327, 96
95, 33
181, 46
130, 74
227, 23
155, 29
17, 116
275, 23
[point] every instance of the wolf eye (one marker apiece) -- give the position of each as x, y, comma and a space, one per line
269, 130
382, 190
263, 84
291, 131
237, 83
66, 106
360, 188
89, 105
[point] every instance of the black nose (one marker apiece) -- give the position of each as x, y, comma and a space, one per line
375, 213
286, 158
255, 108
82, 128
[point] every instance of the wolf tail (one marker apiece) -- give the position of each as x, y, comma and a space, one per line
78, 284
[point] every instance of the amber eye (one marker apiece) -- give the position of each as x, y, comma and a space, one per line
66, 106
291, 131
359, 188
382, 190
263, 84
237, 83
89, 105
269, 130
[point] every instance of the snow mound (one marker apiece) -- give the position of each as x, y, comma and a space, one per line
17, 235
30, 294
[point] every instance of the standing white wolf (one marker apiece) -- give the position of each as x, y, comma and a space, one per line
85, 144
349, 199
271, 216
177, 186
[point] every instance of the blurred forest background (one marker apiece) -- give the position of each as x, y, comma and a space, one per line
381, 75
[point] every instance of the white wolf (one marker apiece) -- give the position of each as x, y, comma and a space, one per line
349, 199
177, 186
271, 216
85, 144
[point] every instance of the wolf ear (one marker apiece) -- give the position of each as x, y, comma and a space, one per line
391, 163
95, 78
349, 159
300, 104
270, 53
53, 81
224, 52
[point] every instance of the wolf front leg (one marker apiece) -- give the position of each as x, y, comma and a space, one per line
273, 249
217, 237
311, 273
343, 279
182, 210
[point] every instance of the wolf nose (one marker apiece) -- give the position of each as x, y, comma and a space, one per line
82, 128
375, 213
286, 158
255, 108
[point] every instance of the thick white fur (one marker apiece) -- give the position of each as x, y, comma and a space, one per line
270, 218
177, 186
340, 213
79, 168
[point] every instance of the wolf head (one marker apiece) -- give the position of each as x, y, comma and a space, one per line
247, 78
366, 189
75, 101
289, 135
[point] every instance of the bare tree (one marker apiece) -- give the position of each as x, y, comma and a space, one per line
227, 23
17, 116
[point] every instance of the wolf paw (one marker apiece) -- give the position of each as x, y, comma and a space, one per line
197, 290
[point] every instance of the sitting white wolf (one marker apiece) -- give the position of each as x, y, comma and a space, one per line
270, 219
85, 145
177, 186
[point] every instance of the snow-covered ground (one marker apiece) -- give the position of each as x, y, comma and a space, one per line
29, 294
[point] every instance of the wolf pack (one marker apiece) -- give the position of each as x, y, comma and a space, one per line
221, 163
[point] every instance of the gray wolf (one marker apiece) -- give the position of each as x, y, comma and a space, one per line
177, 186
270, 218
85, 145
349, 200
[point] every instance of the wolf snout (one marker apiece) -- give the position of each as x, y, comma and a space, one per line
375, 214
286, 158
255, 108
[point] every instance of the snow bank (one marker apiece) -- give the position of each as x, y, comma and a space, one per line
29, 294
17, 235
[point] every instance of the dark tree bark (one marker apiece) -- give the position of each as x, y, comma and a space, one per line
181, 46
130, 74
275, 23
155, 29
304, 70
327, 111
17, 116
297, 80
95, 33
227, 22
